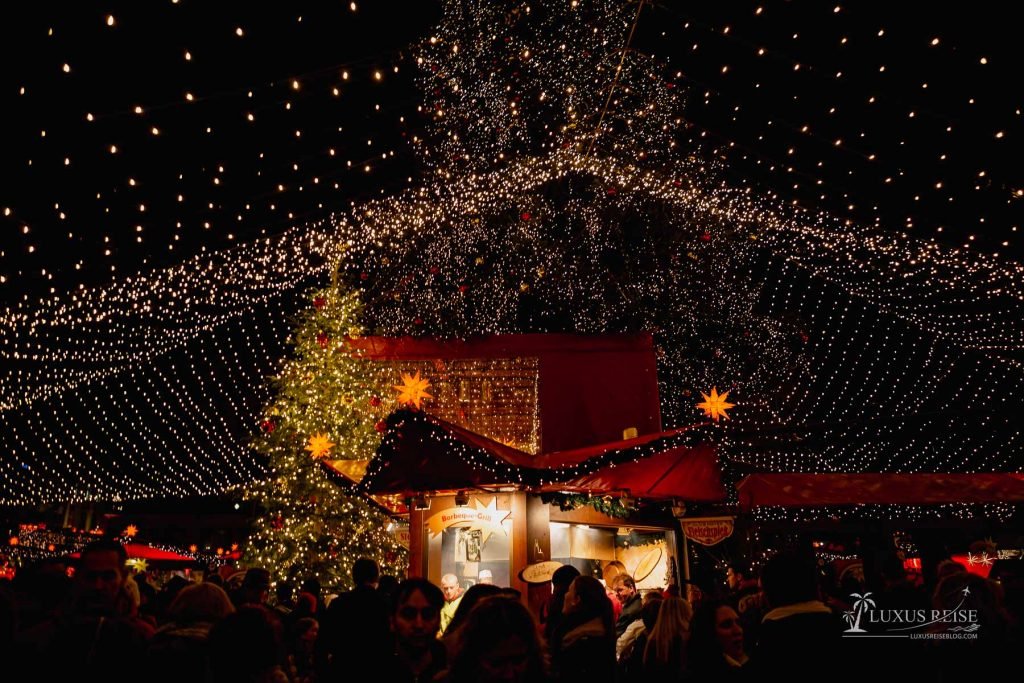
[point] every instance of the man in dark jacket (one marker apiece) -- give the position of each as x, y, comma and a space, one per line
356, 623
799, 636
632, 606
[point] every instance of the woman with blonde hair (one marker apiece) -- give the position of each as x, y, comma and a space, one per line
665, 653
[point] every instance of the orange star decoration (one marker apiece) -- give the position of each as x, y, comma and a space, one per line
131, 530
319, 445
413, 389
715, 405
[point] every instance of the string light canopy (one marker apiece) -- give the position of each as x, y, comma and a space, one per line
847, 345
900, 122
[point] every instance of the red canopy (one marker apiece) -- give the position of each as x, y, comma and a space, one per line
799, 490
146, 552
689, 473
425, 453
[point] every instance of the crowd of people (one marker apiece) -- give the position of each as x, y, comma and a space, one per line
103, 624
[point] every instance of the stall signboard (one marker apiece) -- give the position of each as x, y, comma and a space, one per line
708, 530
484, 518
540, 572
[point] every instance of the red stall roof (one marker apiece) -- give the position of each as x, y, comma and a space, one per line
424, 453
810, 490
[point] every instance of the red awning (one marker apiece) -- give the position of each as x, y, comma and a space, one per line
800, 490
427, 454
145, 552
688, 473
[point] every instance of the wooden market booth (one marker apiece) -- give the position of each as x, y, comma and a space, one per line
515, 421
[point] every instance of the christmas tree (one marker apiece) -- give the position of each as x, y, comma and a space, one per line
327, 405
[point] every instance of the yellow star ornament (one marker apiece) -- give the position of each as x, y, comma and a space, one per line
413, 389
715, 405
319, 445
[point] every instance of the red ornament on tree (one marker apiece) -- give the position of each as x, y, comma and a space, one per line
267, 426
319, 302
434, 270
277, 522
374, 401
381, 426
525, 215
463, 289
323, 340
390, 556
418, 321
706, 237
364, 276
612, 191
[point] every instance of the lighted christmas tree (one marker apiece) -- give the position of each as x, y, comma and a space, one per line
327, 406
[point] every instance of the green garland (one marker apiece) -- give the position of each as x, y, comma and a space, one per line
607, 505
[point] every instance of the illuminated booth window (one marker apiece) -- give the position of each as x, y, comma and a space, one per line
470, 541
645, 554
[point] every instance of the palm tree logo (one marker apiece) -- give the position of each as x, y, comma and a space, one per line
861, 604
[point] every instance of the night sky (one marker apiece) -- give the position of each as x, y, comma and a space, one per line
906, 116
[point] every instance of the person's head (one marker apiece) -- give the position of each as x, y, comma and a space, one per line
284, 590
652, 596
255, 586
972, 592
416, 613
365, 572
485, 576
649, 613
563, 576
305, 605
200, 602
100, 576
311, 585
715, 631
788, 578
470, 598
585, 600
947, 567
450, 587
499, 642
245, 645
624, 587
736, 574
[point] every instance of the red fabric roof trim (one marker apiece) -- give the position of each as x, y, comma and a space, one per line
808, 490
498, 346
138, 551
417, 459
